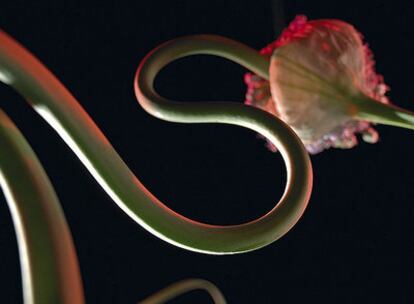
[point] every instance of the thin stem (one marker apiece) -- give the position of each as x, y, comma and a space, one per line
49, 267
387, 114
181, 287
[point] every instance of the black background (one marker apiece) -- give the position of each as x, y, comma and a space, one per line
353, 245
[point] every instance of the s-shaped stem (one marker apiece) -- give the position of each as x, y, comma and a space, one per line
42, 90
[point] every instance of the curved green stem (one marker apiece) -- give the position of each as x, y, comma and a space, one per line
22, 71
181, 287
49, 267
258, 233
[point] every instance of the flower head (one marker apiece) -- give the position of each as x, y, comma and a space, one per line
316, 69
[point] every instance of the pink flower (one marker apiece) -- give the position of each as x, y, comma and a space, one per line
316, 67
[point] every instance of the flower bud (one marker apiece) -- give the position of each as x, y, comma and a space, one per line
317, 68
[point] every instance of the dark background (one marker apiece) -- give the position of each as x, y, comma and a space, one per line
354, 243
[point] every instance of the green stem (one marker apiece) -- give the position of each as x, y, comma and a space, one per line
387, 114
258, 233
179, 288
49, 267
59, 108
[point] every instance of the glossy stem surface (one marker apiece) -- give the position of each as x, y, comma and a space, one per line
260, 232
60, 109
22, 71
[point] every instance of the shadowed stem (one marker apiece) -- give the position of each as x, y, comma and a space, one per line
49, 266
181, 287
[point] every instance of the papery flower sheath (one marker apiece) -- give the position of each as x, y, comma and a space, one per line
316, 68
